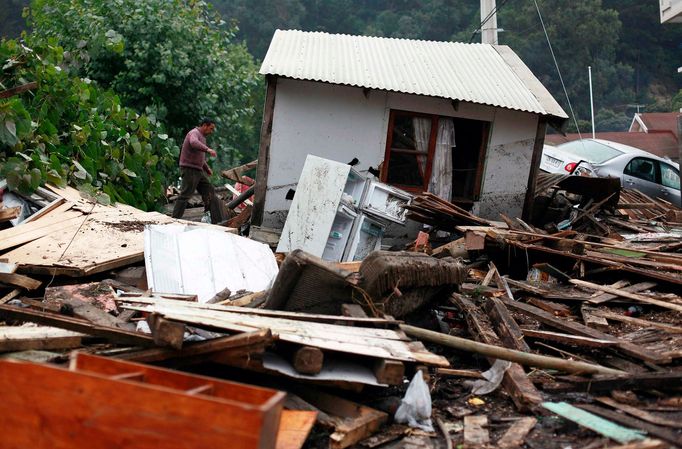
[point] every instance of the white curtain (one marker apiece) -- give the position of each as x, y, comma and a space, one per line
422, 135
440, 183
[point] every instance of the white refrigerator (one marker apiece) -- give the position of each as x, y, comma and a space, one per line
338, 214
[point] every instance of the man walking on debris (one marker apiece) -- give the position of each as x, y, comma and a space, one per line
193, 168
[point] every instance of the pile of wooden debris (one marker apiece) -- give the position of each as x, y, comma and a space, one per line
527, 337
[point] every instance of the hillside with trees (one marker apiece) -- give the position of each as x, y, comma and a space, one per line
169, 62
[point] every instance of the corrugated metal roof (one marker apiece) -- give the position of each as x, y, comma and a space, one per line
477, 73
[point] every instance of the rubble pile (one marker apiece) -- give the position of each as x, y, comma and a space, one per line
563, 330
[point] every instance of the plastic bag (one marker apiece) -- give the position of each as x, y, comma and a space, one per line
415, 407
491, 378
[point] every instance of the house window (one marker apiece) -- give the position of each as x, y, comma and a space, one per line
442, 155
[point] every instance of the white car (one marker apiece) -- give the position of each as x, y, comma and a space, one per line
637, 169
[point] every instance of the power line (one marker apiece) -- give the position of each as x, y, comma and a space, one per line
487, 18
557, 69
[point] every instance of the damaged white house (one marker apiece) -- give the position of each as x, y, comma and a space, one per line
463, 121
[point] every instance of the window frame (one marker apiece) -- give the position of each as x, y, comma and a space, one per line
654, 162
482, 152
674, 170
426, 175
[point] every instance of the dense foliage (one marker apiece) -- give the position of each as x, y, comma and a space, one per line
174, 59
68, 130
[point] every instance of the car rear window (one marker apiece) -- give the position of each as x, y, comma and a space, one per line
590, 151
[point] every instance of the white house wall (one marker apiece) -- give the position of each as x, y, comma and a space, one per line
341, 122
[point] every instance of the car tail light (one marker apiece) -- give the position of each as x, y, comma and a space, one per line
570, 166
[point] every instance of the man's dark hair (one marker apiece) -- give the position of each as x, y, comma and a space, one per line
206, 121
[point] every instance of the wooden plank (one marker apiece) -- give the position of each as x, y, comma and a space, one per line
361, 341
592, 320
25, 233
352, 422
10, 296
9, 213
23, 338
250, 342
569, 339
18, 280
551, 307
165, 332
505, 325
635, 288
264, 152
538, 145
585, 331
390, 372
476, 433
516, 434
294, 427
18, 89
632, 320
593, 422
93, 314
460, 372
644, 444
641, 414
626, 294
652, 430
640, 381
54, 206
333, 319
77, 325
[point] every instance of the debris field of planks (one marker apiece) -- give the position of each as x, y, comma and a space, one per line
589, 317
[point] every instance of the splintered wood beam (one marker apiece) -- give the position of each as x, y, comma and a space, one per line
476, 433
166, 332
115, 335
569, 339
21, 338
9, 213
641, 414
640, 381
516, 434
632, 320
19, 280
200, 351
18, 89
635, 288
579, 329
352, 422
515, 381
626, 294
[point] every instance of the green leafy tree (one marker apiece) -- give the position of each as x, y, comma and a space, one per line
176, 60
70, 131
583, 33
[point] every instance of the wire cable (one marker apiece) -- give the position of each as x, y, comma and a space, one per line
487, 18
557, 69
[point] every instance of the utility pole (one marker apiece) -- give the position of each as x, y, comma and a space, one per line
489, 28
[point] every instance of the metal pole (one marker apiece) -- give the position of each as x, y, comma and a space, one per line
679, 146
589, 69
489, 29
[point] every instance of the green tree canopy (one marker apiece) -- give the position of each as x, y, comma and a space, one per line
69, 130
174, 59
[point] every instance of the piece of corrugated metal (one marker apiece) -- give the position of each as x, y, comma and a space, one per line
476, 73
